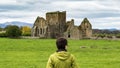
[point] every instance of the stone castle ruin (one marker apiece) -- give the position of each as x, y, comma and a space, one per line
55, 26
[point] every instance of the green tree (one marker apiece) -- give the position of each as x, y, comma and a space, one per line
26, 30
1, 29
13, 31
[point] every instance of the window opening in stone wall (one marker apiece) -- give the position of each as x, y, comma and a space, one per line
68, 34
36, 31
87, 26
40, 30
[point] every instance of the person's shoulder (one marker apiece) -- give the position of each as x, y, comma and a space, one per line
53, 54
72, 56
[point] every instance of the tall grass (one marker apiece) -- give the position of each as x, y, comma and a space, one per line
34, 53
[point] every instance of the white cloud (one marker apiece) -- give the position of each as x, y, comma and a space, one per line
101, 13
8, 1
108, 22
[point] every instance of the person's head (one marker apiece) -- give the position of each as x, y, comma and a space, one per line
61, 43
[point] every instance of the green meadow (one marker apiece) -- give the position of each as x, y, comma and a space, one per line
34, 53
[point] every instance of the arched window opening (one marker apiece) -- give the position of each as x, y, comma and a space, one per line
40, 30
68, 34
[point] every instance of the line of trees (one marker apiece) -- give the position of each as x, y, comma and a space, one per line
106, 33
13, 31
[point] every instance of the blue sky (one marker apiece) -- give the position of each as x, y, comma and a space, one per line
102, 14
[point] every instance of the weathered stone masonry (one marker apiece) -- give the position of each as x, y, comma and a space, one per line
55, 26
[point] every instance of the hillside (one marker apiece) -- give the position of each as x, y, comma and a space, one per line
18, 23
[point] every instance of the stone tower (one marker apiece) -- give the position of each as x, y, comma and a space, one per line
56, 24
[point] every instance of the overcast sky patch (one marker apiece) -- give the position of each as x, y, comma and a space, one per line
101, 13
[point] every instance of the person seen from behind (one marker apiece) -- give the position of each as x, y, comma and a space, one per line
61, 58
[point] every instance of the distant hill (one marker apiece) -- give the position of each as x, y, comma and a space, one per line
110, 29
18, 23
113, 29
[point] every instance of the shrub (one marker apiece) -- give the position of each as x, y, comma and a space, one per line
109, 36
3, 35
26, 31
117, 36
101, 35
26, 34
13, 31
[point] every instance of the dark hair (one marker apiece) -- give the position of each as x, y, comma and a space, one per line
61, 43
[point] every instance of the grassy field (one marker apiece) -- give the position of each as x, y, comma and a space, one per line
34, 53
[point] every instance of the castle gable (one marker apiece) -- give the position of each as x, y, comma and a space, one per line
85, 23
40, 22
86, 28
39, 27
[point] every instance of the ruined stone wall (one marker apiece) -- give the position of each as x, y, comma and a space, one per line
75, 33
86, 28
39, 28
55, 26
72, 31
